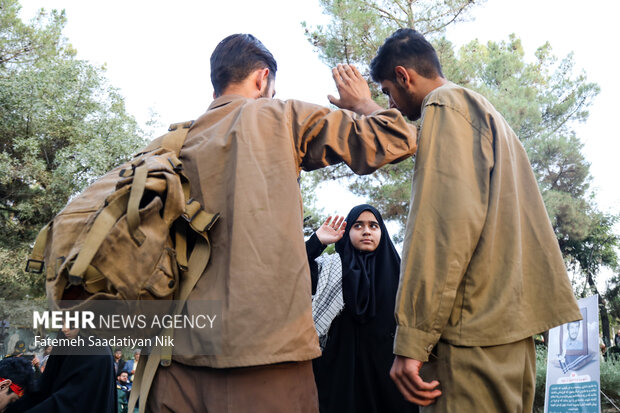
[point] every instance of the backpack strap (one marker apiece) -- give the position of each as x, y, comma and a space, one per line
96, 235
138, 184
172, 141
175, 138
36, 261
162, 355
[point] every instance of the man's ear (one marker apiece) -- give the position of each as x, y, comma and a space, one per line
5, 384
262, 79
403, 76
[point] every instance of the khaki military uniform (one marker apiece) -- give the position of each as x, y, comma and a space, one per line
481, 264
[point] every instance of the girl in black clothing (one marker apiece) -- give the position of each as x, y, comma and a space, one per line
353, 306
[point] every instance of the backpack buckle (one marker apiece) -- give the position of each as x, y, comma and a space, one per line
192, 208
38, 267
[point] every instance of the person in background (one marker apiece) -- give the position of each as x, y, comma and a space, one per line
45, 356
353, 308
123, 388
19, 349
16, 379
132, 365
119, 363
75, 379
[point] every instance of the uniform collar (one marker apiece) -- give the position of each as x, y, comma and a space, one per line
224, 100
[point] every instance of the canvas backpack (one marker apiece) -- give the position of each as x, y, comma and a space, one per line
134, 234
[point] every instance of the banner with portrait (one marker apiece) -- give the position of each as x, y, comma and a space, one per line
573, 363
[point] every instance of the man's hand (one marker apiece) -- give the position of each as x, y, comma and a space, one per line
331, 231
354, 91
406, 374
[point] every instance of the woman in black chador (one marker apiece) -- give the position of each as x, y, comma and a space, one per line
353, 307
76, 379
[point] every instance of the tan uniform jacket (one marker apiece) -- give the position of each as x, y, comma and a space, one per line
481, 263
243, 158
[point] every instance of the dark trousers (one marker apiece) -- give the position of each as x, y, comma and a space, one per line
284, 387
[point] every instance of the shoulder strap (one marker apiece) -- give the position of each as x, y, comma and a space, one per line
172, 141
162, 355
36, 260
175, 138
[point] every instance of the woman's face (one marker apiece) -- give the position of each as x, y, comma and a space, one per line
365, 232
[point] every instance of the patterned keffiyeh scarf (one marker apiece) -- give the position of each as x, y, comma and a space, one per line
328, 302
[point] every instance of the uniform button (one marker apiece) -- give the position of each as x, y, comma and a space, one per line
429, 348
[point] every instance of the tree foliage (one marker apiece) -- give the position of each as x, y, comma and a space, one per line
612, 296
25, 43
358, 27
61, 126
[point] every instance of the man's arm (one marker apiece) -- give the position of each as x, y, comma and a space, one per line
365, 140
448, 211
449, 206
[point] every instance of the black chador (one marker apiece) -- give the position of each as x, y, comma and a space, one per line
352, 375
73, 382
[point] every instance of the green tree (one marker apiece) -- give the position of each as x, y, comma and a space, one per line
23, 43
612, 296
358, 27
61, 126
587, 255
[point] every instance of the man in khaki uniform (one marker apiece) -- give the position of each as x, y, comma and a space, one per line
243, 158
482, 271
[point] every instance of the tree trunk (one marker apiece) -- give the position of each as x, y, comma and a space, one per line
602, 308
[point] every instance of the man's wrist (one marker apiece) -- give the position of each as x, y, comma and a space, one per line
367, 107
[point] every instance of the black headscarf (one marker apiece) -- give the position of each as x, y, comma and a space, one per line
369, 279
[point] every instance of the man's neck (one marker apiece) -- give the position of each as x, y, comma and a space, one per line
435, 83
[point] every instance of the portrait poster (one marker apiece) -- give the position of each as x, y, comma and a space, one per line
573, 363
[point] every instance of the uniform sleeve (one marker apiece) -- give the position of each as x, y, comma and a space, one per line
325, 137
448, 209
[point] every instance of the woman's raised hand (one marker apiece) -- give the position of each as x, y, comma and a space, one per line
332, 230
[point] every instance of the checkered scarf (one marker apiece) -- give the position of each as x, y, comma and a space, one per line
327, 302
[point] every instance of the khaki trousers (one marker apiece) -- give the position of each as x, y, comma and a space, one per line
496, 379
284, 387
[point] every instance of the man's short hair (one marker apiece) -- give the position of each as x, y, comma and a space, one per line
408, 48
18, 370
236, 57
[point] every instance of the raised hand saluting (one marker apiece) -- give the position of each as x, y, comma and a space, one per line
353, 90
332, 230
